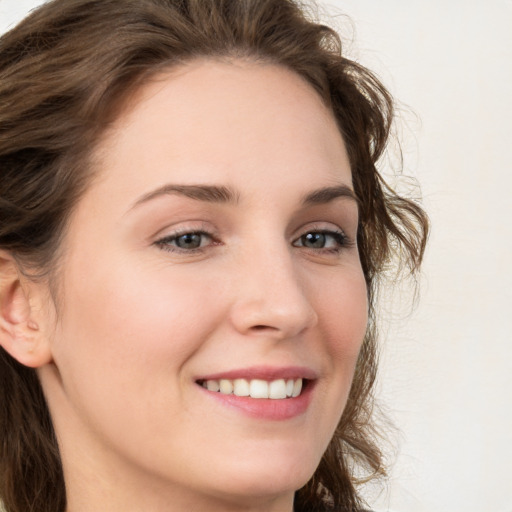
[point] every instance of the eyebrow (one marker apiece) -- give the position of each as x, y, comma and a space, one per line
223, 194
328, 194
207, 193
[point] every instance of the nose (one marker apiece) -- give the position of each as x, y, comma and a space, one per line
271, 298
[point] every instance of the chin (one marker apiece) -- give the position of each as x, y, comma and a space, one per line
272, 476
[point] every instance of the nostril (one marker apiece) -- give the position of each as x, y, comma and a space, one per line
261, 327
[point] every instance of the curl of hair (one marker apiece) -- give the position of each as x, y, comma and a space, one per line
65, 73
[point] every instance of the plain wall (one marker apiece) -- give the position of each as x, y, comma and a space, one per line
446, 377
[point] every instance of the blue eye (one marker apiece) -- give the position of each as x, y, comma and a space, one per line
330, 240
189, 241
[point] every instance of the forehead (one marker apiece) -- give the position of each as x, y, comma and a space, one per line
246, 125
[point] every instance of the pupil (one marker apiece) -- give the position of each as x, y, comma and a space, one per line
314, 240
189, 241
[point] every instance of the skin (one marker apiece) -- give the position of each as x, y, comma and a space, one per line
139, 319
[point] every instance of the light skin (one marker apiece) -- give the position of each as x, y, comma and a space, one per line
252, 173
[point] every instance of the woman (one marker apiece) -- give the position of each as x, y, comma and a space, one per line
192, 231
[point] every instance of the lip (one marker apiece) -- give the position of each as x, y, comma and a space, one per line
265, 408
264, 373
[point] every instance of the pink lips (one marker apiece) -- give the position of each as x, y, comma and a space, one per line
265, 408
264, 373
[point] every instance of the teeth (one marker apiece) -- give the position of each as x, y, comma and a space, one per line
289, 387
277, 389
226, 387
212, 385
297, 388
241, 387
256, 388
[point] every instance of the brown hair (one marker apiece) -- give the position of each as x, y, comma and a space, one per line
64, 72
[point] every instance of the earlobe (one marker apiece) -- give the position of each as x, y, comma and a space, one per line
20, 333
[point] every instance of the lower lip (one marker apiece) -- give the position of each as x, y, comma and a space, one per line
267, 408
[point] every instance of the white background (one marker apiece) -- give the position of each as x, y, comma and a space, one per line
447, 374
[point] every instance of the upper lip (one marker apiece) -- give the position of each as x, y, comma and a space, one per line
268, 373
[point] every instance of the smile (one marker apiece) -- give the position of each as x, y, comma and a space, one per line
277, 389
262, 392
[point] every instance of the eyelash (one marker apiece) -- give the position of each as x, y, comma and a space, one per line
341, 240
165, 243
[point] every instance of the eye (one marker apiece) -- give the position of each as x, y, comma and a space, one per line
185, 241
327, 240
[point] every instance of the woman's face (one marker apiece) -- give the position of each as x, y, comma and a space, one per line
215, 248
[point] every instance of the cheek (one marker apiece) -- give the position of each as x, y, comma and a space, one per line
343, 322
133, 321
344, 315
122, 351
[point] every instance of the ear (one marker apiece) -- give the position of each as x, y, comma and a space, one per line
20, 332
